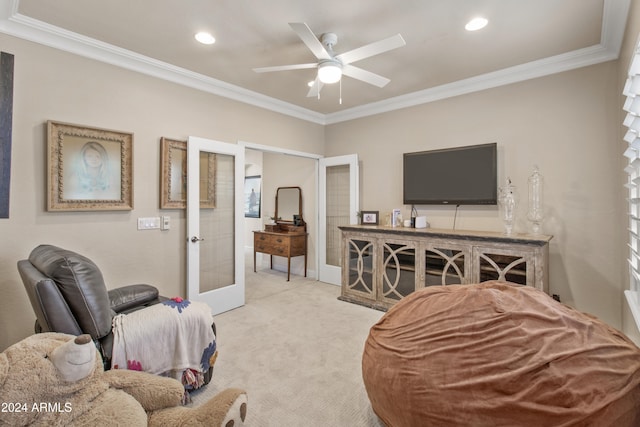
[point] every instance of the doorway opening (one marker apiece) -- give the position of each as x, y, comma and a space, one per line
279, 167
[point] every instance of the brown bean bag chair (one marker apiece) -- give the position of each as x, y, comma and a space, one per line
498, 354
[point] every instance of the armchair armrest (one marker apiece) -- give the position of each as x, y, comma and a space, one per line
133, 296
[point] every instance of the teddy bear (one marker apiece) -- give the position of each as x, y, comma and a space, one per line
54, 379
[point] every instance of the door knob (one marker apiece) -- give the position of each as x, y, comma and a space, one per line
195, 239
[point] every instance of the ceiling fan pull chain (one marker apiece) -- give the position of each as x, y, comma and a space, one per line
340, 91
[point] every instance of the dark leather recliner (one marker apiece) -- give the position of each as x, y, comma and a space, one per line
68, 295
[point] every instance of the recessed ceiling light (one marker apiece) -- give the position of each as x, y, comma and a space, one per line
205, 38
476, 24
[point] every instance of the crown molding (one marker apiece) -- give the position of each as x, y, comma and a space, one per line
614, 22
21, 26
552, 65
613, 27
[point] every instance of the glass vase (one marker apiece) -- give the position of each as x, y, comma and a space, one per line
508, 202
536, 209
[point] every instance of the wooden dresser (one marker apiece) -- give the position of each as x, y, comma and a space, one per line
283, 240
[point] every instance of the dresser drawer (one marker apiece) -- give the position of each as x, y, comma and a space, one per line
271, 244
283, 243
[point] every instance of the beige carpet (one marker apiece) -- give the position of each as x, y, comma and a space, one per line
297, 350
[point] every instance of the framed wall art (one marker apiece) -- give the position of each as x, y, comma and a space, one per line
6, 126
252, 196
370, 217
173, 176
88, 168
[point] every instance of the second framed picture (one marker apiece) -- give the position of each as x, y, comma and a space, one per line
370, 217
252, 196
173, 176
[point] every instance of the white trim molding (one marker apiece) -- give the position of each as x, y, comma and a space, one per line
613, 26
632, 302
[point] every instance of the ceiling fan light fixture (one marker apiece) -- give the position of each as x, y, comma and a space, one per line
329, 72
476, 24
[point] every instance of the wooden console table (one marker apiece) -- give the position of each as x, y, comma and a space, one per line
381, 265
285, 243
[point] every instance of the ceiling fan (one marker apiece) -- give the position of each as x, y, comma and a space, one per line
330, 66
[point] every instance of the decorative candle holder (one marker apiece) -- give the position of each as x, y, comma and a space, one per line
536, 209
508, 201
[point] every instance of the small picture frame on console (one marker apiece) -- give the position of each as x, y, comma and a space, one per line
370, 217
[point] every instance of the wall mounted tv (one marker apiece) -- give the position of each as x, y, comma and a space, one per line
455, 176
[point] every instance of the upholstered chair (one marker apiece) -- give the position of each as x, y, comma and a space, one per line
68, 294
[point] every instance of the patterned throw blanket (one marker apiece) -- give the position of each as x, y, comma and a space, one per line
173, 338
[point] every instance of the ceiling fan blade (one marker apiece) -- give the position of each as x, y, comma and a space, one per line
364, 75
371, 49
285, 67
310, 39
315, 89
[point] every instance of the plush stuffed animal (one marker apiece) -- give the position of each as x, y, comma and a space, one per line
56, 379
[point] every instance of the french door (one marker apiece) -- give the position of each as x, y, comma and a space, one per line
339, 205
215, 247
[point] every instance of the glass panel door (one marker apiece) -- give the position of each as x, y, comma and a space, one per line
337, 214
338, 206
215, 258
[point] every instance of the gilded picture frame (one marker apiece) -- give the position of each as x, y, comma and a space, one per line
89, 169
173, 176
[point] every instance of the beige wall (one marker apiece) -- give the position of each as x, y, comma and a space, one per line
53, 85
565, 123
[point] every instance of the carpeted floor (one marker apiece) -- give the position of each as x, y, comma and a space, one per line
297, 351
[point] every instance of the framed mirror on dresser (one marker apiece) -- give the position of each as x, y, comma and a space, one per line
287, 237
289, 210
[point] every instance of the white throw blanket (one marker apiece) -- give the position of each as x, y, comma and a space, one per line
165, 338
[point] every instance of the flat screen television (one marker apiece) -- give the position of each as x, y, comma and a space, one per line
456, 176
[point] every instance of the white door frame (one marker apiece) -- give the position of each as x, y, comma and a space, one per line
232, 296
328, 273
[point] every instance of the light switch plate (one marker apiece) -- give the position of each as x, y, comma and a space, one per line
149, 223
